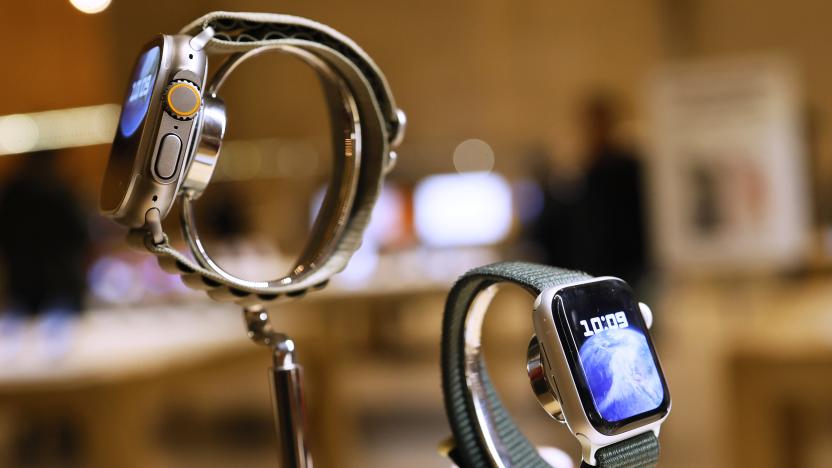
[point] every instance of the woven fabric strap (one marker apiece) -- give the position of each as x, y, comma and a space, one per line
470, 450
242, 31
380, 127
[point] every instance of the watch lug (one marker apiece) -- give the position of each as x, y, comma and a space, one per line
588, 449
199, 41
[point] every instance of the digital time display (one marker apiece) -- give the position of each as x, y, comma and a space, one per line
605, 322
141, 87
615, 363
127, 140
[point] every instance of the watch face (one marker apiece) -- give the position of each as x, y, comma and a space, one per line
138, 95
611, 356
129, 134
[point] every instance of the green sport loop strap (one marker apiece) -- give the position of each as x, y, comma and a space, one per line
471, 450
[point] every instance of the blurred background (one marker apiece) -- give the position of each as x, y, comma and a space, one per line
683, 145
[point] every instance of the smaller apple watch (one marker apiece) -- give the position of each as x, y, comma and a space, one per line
591, 363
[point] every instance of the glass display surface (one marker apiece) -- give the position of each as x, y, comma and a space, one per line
614, 362
133, 114
139, 92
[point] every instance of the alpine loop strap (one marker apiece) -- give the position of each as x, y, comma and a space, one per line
199, 278
353, 77
240, 31
507, 443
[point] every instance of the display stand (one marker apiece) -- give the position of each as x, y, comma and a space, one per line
286, 378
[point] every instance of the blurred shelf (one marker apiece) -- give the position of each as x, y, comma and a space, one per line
107, 345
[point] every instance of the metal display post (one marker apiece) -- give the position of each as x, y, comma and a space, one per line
286, 379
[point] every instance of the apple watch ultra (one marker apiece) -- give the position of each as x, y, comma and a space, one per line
591, 363
172, 125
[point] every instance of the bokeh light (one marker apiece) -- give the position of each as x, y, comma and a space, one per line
90, 6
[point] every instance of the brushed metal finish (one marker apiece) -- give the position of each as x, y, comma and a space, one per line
146, 190
211, 132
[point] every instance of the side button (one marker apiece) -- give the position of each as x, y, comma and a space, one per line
646, 314
168, 156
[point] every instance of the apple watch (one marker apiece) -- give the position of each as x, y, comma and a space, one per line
172, 125
591, 363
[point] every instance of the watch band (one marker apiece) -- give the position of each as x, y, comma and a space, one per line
242, 31
370, 125
484, 432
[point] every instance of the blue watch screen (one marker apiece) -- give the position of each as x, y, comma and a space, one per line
129, 134
616, 363
139, 92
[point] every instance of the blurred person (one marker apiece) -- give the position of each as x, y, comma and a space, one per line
595, 222
43, 249
557, 192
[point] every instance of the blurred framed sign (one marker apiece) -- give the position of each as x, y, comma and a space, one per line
728, 186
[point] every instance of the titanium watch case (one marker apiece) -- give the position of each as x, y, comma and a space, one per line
556, 374
146, 189
143, 180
